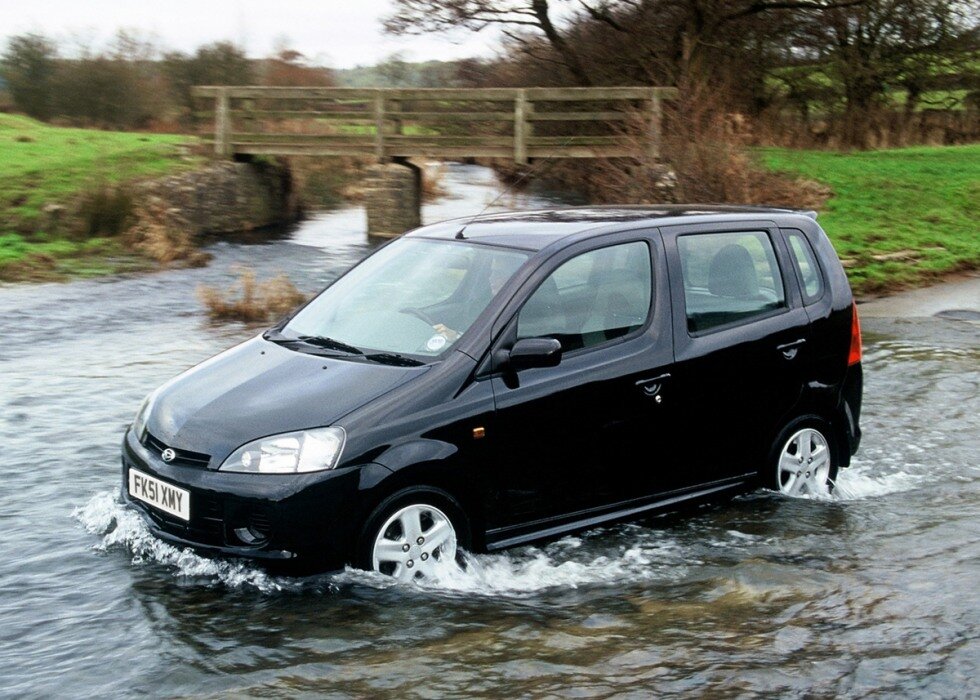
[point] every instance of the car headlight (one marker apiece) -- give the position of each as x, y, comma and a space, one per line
289, 453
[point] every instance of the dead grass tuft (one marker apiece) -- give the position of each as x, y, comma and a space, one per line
251, 301
163, 235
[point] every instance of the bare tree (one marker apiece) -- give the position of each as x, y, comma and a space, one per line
687, 26
519, 20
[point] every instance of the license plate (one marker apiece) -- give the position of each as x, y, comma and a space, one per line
160, 494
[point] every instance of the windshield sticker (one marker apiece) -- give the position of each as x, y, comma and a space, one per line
436, 343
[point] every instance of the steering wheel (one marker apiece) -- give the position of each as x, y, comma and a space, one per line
418, 313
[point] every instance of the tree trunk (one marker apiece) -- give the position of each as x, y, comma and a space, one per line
568, 55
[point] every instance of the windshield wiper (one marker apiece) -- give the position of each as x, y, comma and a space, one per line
317, 340
329, 343
391, 358
385, 358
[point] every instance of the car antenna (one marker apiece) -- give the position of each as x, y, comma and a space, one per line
510, 187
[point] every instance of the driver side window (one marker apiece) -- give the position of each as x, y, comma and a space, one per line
593, 298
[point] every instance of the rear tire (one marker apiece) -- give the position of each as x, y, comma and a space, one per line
803, 459
411, 533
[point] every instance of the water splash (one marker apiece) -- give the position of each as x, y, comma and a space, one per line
863, 481
859, 481
122, 527
625, 554
564, 564
619, 555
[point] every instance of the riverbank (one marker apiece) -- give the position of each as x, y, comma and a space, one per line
899, 218
63, 204
82, 203
956, 298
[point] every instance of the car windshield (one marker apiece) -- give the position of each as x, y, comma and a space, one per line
412, 297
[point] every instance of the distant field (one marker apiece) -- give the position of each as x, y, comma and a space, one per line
42, 164
898, 217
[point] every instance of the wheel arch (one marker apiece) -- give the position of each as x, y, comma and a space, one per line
817, 420
822, 406
429, 464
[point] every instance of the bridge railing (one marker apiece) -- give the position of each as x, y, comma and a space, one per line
385, 123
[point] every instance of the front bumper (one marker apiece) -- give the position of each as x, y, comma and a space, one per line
313, 517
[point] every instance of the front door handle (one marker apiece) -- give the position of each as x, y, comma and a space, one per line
789, 350
651, 387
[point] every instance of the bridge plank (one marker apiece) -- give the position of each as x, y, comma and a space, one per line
577, 116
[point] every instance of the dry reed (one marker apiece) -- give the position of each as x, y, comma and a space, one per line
251, 301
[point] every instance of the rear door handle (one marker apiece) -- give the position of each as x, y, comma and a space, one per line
651, 386
789, 350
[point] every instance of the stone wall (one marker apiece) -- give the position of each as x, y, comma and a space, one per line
223, 197
393, 199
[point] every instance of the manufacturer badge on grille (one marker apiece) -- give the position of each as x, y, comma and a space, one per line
168, 455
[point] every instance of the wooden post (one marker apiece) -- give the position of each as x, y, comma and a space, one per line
520, 127
222, 124
394, 107
379, 126
654, 119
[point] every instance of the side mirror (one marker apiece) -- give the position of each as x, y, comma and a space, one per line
534, 352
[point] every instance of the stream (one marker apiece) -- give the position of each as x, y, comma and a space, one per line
870, 593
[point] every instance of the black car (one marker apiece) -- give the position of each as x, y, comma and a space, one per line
487, 382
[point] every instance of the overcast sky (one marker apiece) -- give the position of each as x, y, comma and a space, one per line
337, 33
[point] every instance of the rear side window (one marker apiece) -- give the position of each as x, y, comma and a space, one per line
728, 278
593, 298
806, 265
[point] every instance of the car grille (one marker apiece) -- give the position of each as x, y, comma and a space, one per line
260, 522
184, 458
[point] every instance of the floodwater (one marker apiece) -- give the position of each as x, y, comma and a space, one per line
873, 592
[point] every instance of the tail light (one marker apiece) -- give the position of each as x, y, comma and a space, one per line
855, 354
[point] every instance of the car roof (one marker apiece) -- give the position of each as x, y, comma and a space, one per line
533, 230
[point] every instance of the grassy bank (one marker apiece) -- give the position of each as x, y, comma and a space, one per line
42, 165
898, 217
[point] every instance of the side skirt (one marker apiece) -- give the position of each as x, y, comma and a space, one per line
501, 538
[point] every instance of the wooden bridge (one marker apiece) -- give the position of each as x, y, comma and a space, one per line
398, 123
391, 125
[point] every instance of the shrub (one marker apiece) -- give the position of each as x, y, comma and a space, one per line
251, 301
106, 211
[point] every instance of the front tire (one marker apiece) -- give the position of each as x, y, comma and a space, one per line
413, 533
803, 460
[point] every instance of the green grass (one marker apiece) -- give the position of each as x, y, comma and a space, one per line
923, 200
42, 164
40, 259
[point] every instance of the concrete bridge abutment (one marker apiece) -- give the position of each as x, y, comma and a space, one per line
393, 199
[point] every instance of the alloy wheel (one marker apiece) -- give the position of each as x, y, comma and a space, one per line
413, 542
805, 464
